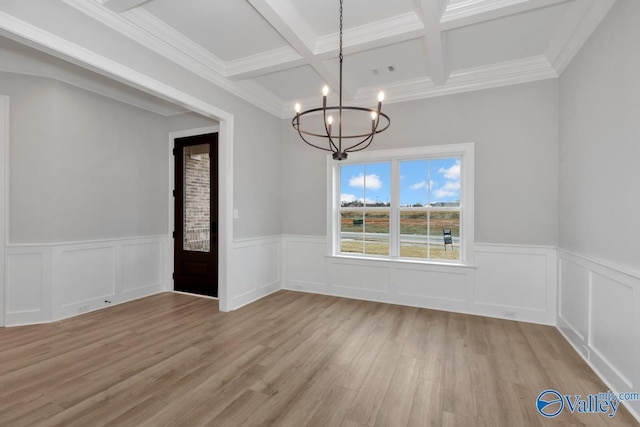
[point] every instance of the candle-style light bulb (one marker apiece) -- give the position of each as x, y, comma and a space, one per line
297, 107
374, 115
381, 96
325, 90
329, 123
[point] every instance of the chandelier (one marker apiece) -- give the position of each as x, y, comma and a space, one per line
340, 144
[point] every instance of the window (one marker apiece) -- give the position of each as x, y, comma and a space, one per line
406, 204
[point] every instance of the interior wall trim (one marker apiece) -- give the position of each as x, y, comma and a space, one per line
526, 291
4, 200
598, 314
56, 281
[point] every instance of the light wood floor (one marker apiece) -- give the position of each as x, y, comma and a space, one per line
291, 359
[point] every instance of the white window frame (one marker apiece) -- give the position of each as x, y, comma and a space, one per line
464, 151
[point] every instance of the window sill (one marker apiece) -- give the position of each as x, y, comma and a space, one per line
401, 261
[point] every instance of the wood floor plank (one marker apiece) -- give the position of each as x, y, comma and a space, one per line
332, 409
290, 359
367, 403
397, 403
427, 405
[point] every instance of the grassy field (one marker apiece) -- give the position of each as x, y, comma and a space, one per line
411, 222
406, 250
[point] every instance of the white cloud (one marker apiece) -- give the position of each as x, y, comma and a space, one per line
347, 198
422, 184
372, 182
449, 189
452, 173
418, 185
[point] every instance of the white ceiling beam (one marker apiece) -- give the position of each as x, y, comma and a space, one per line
288, 22
119, 6
381, 33
434, 42
263, 63
384, 32
471, 12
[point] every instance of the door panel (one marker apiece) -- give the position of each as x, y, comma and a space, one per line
196, 210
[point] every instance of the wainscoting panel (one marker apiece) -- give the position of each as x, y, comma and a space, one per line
599, 314
573, 307
305, 263
84, 274
142, 265
414, 282
527, 293
360, 276
28, 293
51, 282
512, 279
254, 270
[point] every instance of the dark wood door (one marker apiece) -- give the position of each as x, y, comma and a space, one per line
196, 214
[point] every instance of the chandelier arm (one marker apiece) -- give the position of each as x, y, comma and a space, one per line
350, 150
313, 145
326, 128
335, 148
368, 138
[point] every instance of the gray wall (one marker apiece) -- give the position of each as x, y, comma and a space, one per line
86, 167
599, 142
82, 166
257, 164
188, 120
515, 130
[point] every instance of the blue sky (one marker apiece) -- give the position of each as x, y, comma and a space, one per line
421, 181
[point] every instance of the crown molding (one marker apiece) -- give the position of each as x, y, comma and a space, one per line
577, 29
473, 11
495, 75
402, 27
471, 79
468, 8
158, 44
262, 96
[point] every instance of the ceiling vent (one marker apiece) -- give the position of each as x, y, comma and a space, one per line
384, 70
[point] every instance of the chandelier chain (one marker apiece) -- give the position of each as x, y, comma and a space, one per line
340, 30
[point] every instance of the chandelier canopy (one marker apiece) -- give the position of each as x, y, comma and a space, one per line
340, 144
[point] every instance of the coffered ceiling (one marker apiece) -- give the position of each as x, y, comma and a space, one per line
275, 53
